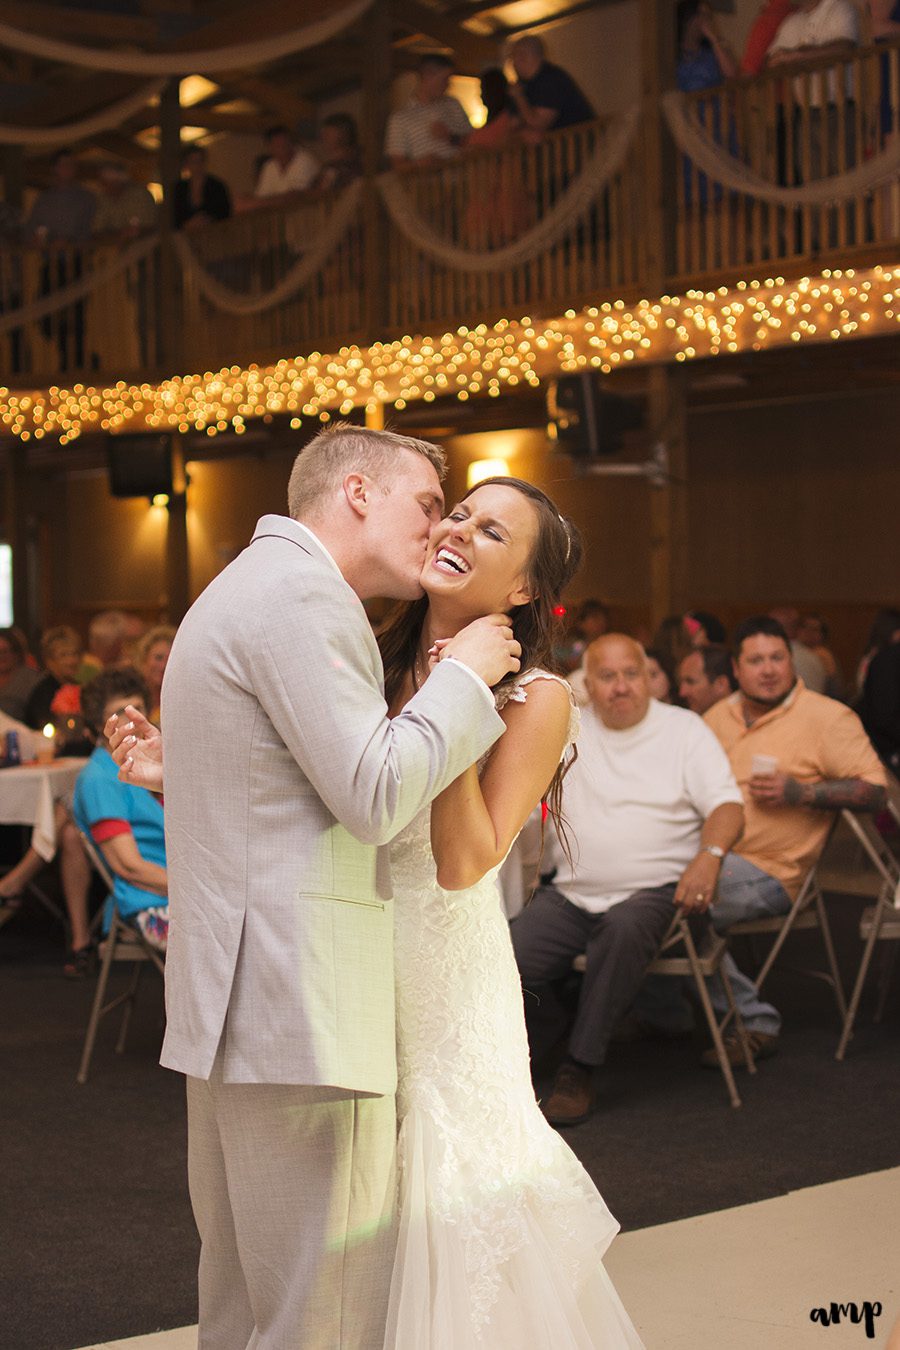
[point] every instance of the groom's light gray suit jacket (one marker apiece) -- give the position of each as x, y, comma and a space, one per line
283, 779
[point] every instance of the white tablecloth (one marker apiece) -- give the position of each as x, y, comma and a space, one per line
27, 796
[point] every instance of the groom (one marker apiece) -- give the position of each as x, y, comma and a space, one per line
283, 776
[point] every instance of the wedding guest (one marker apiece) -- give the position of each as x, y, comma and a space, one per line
61, 655
502, 209
652, 807
502, 123
339, 154
591, 620
812, 633
125, 822
879, 706
17, 678
660, 678
798, 757
824, 126
64, 212
125, 209
198, 198
547, 98
108, 634
433, 125
289, 168
885, 630
806, 663
75, 879
151, 658
673, 639
704, 677
704, 57
769, 19
704, 627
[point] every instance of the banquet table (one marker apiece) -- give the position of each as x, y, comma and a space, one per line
28, 793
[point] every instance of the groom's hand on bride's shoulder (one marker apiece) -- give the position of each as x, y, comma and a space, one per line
487, 647
136, 746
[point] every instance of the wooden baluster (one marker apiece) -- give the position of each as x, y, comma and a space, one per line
712, 109
623, 235
770, 223
837, 151
893, 190
529, 159
865, 115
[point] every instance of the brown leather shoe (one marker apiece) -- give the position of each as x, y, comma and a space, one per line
572, 1098
762, 1046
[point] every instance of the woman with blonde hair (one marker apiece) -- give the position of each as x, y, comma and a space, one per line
151, 657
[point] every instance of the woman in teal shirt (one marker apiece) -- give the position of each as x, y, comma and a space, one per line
125, 822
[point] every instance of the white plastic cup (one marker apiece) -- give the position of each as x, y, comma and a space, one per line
763, 766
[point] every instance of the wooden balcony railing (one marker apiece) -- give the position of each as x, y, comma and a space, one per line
115, 327
788, 127
486, 200
792, 125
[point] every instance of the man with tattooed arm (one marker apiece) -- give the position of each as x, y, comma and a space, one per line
798, 757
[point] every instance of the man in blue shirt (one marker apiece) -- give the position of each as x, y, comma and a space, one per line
125, 822
546, 96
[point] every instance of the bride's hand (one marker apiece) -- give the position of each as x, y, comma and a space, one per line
434, 653
136, 746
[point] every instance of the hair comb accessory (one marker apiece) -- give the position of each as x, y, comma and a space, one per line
568, 537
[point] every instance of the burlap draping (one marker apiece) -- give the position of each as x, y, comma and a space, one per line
78, 290
713, 159
219, 59
308, 265
113, 116
557, 222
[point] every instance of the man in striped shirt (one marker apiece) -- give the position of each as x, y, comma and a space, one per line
433, 125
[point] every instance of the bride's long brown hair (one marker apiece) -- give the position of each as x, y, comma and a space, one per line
555, 558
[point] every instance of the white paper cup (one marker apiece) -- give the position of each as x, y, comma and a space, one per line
763, 766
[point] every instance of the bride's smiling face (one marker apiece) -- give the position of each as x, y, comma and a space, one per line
478, 556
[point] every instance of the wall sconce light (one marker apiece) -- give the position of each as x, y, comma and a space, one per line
486, 468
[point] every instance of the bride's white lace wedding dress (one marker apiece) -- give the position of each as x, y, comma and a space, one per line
502, 1231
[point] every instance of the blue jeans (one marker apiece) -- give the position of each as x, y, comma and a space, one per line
744, 892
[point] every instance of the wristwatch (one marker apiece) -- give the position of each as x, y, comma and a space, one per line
714, 850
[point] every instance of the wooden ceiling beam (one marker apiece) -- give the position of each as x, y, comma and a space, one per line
67, 102
59, 21
276, 99
471, 51
262, 19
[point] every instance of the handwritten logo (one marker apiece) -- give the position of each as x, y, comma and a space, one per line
848, 1312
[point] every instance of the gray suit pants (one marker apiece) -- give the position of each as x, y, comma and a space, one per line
293, 1190
619, 944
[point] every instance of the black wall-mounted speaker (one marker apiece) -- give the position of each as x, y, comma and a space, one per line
587, 421
140, 465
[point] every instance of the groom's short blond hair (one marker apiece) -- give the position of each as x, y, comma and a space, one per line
324, 463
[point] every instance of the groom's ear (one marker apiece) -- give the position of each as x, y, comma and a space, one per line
357, 490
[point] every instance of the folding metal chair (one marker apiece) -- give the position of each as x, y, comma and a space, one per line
123, 943
879, 922
699, 965
678, 955
808, 911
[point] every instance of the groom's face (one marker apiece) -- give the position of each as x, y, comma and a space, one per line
403, 513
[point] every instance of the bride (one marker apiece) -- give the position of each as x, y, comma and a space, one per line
501, 1231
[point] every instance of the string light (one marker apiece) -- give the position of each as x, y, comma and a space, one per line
747, 316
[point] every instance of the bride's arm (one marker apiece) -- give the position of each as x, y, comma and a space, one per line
475, 820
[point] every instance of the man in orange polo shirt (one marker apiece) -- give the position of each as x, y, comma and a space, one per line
798, 757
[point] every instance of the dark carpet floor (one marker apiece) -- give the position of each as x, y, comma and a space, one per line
97, 1237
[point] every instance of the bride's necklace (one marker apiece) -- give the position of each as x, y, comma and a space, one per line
419, 674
